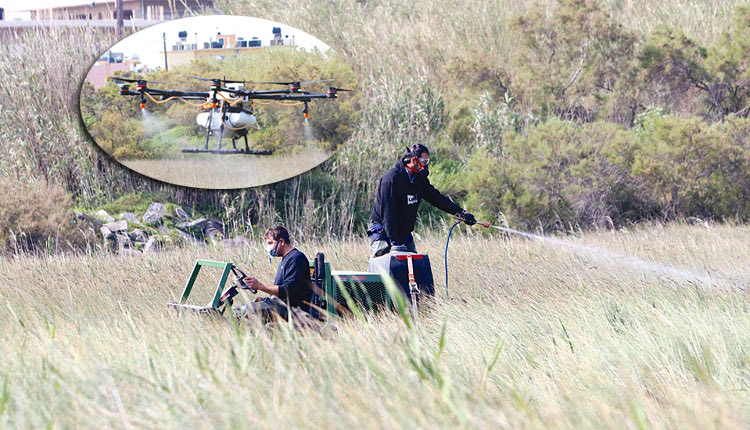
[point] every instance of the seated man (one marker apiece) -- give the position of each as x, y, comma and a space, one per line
290, 288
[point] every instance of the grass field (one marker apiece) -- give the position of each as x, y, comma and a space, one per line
648, 328
228, 171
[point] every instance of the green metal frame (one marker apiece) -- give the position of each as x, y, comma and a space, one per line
219, 288
330, 286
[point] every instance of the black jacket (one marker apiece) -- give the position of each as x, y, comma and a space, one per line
398, 199
293, 279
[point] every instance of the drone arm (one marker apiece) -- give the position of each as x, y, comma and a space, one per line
183, 94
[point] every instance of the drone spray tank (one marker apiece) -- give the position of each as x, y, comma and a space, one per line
213, 119
227, 120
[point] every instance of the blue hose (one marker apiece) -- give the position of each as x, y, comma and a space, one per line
446, 256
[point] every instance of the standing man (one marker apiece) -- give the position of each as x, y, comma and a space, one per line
395, 210
290, 288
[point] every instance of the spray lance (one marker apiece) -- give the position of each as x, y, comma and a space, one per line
460, 217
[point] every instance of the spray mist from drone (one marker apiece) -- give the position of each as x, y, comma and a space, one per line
309, 135
153, 124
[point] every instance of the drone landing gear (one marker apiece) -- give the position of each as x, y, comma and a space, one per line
219, 150
234, 150
229, 151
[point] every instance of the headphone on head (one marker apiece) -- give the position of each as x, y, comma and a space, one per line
413, 151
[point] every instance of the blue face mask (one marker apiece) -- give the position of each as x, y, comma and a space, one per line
273, 251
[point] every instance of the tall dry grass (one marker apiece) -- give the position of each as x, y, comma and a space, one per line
421, 64
537, 335
391, 40
229, 171
40, 136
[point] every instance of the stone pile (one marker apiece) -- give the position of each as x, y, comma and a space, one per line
158, 228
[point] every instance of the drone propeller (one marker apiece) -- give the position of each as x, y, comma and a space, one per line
194, 77
226, 81
316, 82
118, 79
290, 82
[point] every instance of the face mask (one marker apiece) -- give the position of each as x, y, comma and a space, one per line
273, 250
423, 162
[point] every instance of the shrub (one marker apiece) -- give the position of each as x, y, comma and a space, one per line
694, 169
34, 217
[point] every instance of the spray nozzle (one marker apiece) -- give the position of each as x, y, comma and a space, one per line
468, 218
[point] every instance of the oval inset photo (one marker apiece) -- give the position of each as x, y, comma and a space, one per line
220, 102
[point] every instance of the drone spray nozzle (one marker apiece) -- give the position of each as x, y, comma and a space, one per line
304, 111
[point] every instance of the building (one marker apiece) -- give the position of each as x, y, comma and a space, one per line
149, 10
223, 46
99, 72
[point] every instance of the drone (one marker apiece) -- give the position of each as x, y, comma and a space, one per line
227, 107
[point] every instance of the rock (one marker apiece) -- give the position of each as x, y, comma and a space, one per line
152, 245
123, 241
82, 218
237, 242
192, 224
699, 222
154, 213
139, 235
117, 226
104, 216
163, 229
130, 216
106, 233
213, 229
181, 214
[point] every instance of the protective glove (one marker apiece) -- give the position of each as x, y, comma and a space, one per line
468, 218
